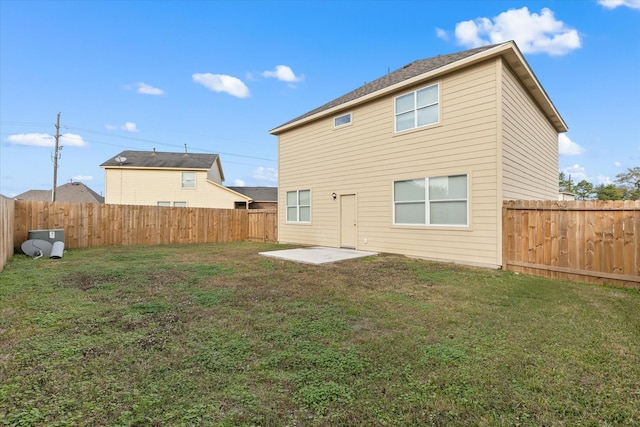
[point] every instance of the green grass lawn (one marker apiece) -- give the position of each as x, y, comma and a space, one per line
215, 334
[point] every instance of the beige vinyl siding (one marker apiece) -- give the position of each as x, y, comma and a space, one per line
150, 186
366, 157
214, 173
530, 145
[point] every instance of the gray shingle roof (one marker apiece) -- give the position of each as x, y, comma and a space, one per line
74, 192
158, 159
258, 194
407, 72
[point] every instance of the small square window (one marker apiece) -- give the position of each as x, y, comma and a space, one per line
345, 119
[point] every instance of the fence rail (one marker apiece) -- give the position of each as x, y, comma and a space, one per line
94, 225
589, 241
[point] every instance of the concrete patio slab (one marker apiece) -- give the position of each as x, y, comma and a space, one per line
317, 254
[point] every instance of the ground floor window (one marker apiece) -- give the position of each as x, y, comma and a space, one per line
440, 200
175, 204
299, 206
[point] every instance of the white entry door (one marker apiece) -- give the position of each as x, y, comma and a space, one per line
348, 235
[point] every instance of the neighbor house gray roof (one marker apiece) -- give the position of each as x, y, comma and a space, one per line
75, 192
158, 159
407, 72
258, 194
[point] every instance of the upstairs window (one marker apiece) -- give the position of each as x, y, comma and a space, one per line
417, 109
343, 120
299, 206
188, 180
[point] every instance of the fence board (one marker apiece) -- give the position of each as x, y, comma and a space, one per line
594, 241
7, 229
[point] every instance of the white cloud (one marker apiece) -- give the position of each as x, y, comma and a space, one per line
604, 180
283, 73
533, 32
567, 147
222, 83
146, 89
576, 172
128, 127
46, 140
612, 4
265, 174
82, 178
70, 139
442, 34
238, 183
617, 164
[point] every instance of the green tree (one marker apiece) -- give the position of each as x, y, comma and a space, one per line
565, 183
609, 192
629, 182
583, 190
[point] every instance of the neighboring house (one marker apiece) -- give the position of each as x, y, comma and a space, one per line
168, 179
565, 195
419, 161
263, 197
75, 192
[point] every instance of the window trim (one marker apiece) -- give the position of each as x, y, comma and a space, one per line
336, 126
297, 206
184, 187
427, 203
415, 108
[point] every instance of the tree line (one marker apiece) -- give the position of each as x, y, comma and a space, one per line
625, 187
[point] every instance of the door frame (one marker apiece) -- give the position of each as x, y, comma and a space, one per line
353, 244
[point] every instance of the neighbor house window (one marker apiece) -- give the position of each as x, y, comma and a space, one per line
188, 179
299, 206
175, 204
345, 119
441, 200
419, 108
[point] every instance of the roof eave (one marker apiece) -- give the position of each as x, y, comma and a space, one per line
519, 65
215, 184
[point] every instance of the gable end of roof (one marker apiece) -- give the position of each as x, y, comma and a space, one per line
430, 68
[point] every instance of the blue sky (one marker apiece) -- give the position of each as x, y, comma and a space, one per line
218, 75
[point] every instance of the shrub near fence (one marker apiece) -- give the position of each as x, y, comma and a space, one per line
94, 225
589, 241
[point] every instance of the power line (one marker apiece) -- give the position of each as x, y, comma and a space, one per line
168, 144
150, 141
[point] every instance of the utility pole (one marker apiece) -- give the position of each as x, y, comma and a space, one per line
55, 161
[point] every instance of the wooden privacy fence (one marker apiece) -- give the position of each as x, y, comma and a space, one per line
589, 241
7, 208
94, 225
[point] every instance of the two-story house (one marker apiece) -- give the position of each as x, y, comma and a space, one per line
168, 179
419, 161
